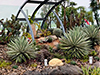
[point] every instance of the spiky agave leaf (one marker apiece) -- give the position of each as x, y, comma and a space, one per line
20, 50
92, 32
75, 43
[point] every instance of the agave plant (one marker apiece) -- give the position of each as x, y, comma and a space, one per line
93, 33
20, 50
75, 44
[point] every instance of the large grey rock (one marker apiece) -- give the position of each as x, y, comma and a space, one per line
70, 70
31, 73
55, 72
45, 71
97, 64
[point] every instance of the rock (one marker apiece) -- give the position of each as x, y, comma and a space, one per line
41, 39
97, 64
55, 43
31, 73
28, 73
70, 70
55, 62
13, 73
55, 72
45, 71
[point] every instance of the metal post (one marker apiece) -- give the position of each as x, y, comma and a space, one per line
60, 22
28, 24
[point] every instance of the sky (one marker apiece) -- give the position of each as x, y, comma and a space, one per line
8, 7
20, 2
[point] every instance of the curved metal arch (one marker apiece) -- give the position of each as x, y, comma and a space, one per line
50, 12
21, 9
44, 2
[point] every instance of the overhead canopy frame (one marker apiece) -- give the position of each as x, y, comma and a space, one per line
41, 3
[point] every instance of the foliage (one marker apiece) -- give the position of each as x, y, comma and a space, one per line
68, 61
12, 26
90, 71
3, 63
20, 50
49, 39
15, 66
73, 63
95, 7
57, 32
58, 55
92, 32
75, 43
93, 53
84, 60
27, 35
97, 58
44, 32
33, 65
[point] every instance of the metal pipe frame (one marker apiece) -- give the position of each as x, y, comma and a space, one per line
32, 17
50, 12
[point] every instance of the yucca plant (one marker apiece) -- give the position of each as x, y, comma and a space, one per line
75, 43
20, 50
93, 33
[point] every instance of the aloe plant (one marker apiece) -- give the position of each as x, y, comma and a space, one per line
20, 50
93, 33
75, 43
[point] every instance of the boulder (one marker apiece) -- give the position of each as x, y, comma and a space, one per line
55, 62
70, 70
97, 64
45, 71
55, 72
32, 73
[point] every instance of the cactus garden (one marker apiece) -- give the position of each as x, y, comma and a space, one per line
71, 49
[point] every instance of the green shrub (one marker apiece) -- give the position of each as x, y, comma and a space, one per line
97, 58
57, 32
3, 63
93, 53
93, 33
15, 66
12, 26
75, 43
49, 39
73, 63
58, 55
20, 50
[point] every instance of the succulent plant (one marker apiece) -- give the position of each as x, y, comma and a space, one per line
12, 26
93, 33
20, 50
75, 43
49, 39
73, 63
57, 32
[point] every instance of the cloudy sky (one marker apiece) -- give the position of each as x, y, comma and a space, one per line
8, 7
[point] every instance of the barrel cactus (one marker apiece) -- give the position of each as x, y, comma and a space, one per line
58, 32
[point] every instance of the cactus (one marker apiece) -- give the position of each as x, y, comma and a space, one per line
57, 32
